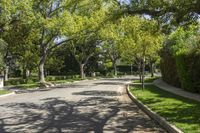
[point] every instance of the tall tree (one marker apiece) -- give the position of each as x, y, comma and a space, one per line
95, 15
83, 50
53, 24
143, 40
63, 21
14, 14
3, 46
111, 36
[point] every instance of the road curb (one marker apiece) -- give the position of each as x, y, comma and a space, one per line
9, 94
162, 122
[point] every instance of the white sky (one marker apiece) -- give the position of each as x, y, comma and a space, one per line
125, 1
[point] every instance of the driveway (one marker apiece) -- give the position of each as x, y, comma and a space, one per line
88, 106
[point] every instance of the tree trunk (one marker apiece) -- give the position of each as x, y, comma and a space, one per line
26, 73
30, 73
115, 68
152, 69
131, 69
2, 72
140, 75
6, 73
143, 72
82, 73
41, 68
139, 71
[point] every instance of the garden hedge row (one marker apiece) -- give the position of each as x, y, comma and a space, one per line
188, 68
168, 69
183, 70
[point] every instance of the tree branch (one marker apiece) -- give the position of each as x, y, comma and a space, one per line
60, 43
88, 57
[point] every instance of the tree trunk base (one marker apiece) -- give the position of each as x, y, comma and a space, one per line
46, 84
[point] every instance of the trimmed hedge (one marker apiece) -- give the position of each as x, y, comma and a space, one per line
188, 68
181, 58
17, 81
31, 80
168, 69
183, 70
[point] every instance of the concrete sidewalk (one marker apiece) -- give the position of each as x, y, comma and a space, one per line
178, 91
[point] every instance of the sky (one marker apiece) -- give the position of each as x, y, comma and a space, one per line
125, 1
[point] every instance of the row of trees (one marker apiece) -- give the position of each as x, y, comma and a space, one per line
31, 31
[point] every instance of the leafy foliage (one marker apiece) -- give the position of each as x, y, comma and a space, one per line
3, 46
184, 47
175, 12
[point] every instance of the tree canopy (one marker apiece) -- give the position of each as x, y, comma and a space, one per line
118, 30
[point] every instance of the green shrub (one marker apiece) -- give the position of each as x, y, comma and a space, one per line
183, 69
168, 69
181, 59
17, 81
188, 68
193, 65
53, 78
110, 75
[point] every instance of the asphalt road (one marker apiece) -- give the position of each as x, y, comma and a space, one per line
88, 106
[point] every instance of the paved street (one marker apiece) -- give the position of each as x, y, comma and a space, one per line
87, 106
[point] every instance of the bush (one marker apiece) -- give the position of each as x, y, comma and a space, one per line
17, 81
31, 80
195, 70
54, 78
168, 69
110, 75
180, 63
183, 70
189, 71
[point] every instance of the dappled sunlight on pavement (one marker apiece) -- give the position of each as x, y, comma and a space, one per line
91, 107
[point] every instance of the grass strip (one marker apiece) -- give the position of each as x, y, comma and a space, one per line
147, 80
3, 92
182, 112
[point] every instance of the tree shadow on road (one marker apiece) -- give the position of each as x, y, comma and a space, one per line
56, 115
97, 93
73, 86
110, 83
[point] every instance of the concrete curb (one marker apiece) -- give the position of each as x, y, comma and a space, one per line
162, 122
9, 94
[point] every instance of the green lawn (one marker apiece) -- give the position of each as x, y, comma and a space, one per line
147, 80
2, 92
34, 83
182, 112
